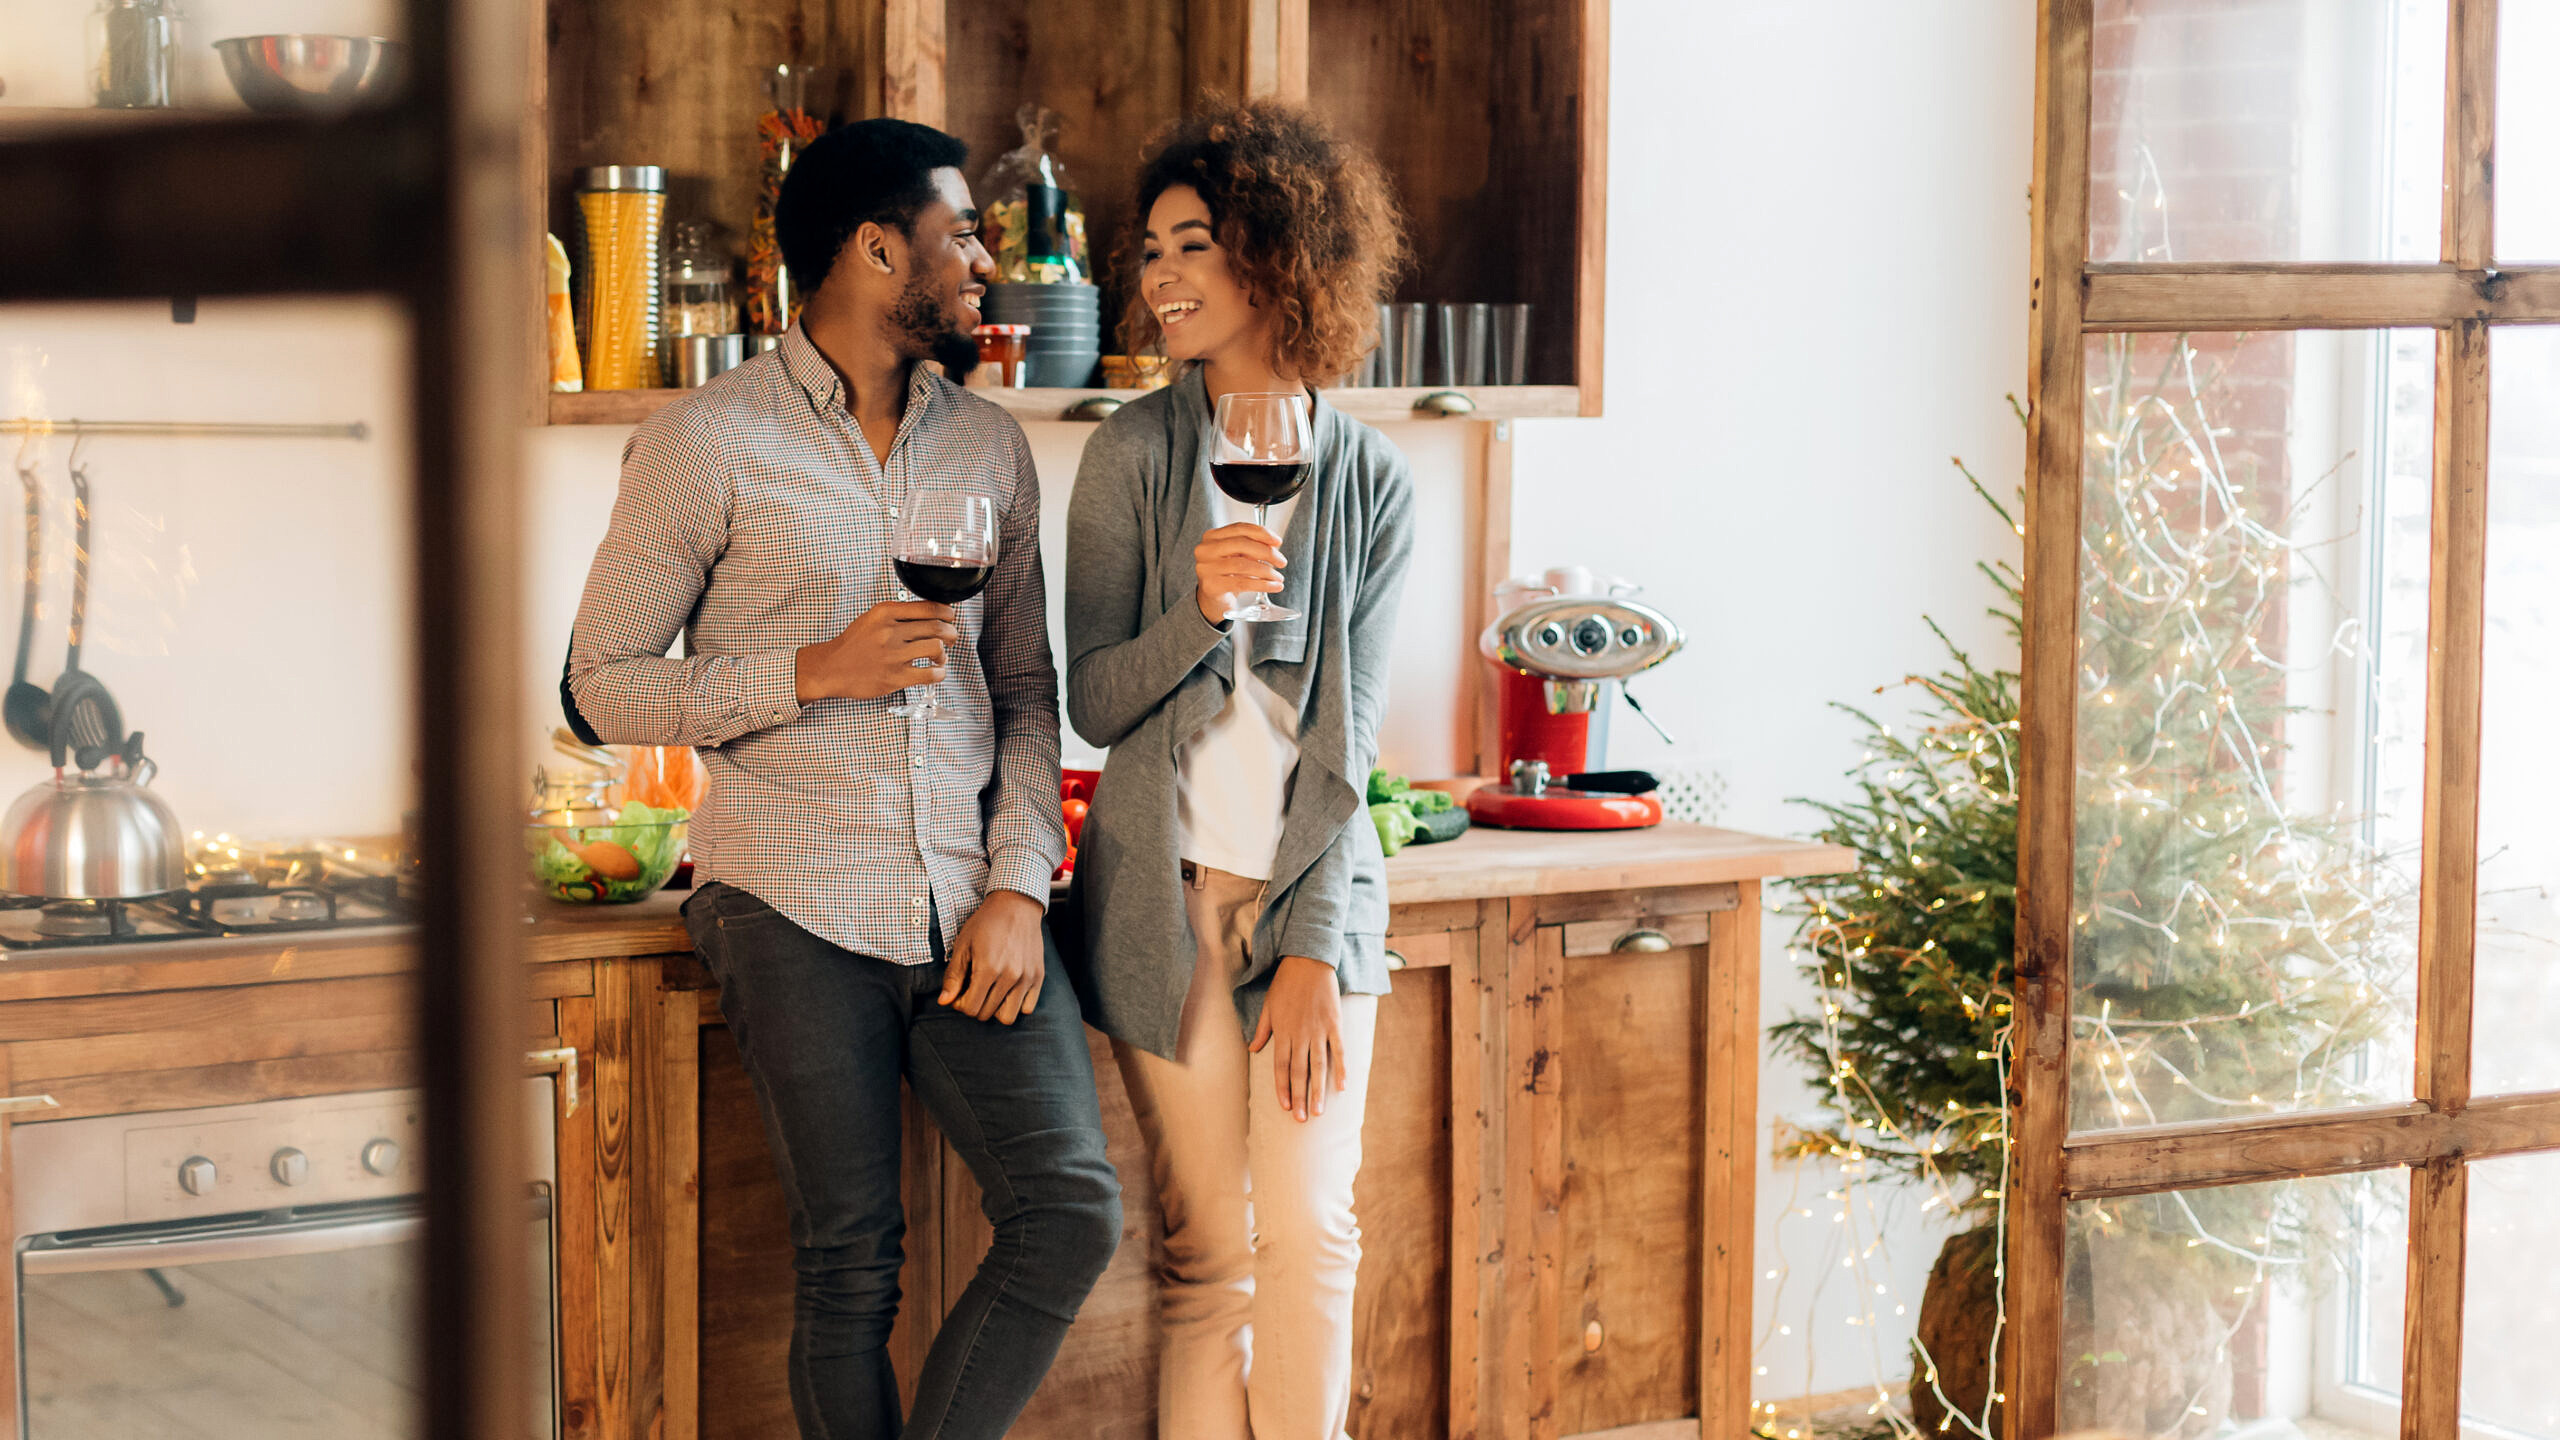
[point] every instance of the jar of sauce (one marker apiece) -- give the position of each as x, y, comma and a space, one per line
1003, 351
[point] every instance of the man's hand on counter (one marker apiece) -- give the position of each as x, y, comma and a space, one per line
998, 961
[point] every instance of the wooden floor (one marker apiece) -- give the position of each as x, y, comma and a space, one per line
316, 1347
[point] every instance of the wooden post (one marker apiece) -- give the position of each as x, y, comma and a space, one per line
1532, 1173
9, 1272
1591, 235
574, 1249
680, 1207
911, 82
1479, 1332
1488, 563
1729, 1034
2039, 1061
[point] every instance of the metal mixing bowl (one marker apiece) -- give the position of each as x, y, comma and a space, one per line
313, 74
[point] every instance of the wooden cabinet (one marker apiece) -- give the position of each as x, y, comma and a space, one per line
1555, 1197
1490, 116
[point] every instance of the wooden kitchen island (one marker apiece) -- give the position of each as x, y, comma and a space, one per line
1555, 1200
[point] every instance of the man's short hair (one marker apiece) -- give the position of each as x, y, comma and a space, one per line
871, 171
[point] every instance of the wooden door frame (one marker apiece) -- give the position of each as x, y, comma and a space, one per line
2440, 1131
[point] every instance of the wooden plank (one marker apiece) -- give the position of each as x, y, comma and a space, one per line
1401, 1359
1728, 1018
1280, 33
1651, 1430
2448, 877
2039, 1069
1486, 863
747, 1283
2205, 1153
1606, 937
2470, 130
134, 1091
578, 1265
924, 1290
1533, 1172
613, 1100
1371, 404
912, 78
1591, 211
2431, 1322
199, 965
679, 1020
1626, 1339
181, 1010
8, 1273
1453, 915
261, 1039
1488, 564
1639, 907
1477, 1066
1427, 951
2308, 297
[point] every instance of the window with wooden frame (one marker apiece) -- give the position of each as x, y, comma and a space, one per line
2288, 954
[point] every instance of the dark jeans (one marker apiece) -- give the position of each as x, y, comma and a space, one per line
826, 1034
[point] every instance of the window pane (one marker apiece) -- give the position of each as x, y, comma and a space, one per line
2511, 1297
2266, 130
2516, 1018
73, 62
2253, 584
2209, 1313
2528, 212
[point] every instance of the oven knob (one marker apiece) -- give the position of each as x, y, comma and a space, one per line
289, 1166
196, 1175
381, 1157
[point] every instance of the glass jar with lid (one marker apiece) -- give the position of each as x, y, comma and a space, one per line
698, 298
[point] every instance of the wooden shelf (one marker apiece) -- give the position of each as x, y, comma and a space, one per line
21, 122
1374, 406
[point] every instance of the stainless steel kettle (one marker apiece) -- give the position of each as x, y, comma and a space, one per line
95, 831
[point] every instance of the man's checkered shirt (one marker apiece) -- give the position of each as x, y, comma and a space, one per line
755, 519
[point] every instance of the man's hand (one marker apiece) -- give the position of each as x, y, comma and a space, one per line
878, 653
1237, 559
998, 962
1302, 1023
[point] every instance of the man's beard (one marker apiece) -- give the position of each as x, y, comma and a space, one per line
921, 328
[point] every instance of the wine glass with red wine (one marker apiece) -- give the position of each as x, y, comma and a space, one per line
1264, 451
944, 551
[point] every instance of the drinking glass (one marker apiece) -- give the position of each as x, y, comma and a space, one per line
1264, 451
944, 550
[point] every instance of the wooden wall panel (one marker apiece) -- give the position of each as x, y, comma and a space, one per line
1625, 1341
1400, 1324
681, 86
1112, 83
1476, 112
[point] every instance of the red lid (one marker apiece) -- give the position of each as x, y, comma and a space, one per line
987, 330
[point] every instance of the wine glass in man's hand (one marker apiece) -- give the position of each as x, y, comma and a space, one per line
944, 551
1262, 455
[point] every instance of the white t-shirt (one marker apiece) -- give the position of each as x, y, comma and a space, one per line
1231, 779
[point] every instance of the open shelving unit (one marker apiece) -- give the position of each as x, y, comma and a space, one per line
1489, 116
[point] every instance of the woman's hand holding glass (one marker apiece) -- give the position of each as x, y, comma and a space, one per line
1232, 560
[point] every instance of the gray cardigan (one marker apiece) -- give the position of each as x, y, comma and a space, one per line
1145, 671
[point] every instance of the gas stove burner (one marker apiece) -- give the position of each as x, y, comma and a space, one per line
227, 879
80, 919
296, 906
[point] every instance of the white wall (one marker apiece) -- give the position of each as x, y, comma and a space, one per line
1817, 294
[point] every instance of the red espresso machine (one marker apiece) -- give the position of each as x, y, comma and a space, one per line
1560, 637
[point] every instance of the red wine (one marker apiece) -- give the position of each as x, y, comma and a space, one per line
1259, 482
944, 582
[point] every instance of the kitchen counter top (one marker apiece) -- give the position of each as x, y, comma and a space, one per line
1481, 864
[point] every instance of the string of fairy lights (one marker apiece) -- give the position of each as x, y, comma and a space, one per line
2235, 956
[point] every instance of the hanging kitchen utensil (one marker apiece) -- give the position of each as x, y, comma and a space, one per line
85, 731
23, 709
95, 831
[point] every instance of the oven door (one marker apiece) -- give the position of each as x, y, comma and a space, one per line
288, 1323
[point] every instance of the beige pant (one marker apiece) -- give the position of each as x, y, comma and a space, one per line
1260, 1245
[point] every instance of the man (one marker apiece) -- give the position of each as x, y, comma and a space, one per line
876, 882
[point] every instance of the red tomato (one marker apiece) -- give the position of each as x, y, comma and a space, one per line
1075, 811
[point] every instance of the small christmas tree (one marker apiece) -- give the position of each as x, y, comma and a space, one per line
2232, 955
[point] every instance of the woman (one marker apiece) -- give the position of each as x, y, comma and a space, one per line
1233, 889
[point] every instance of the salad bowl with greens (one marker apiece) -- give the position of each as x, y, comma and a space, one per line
627, 859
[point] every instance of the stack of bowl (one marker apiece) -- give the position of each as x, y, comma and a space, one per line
1066, 329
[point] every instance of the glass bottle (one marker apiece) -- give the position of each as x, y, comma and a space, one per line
133, 52
784, 128
697, 296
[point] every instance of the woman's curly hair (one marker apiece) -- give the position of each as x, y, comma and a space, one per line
1307, 220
